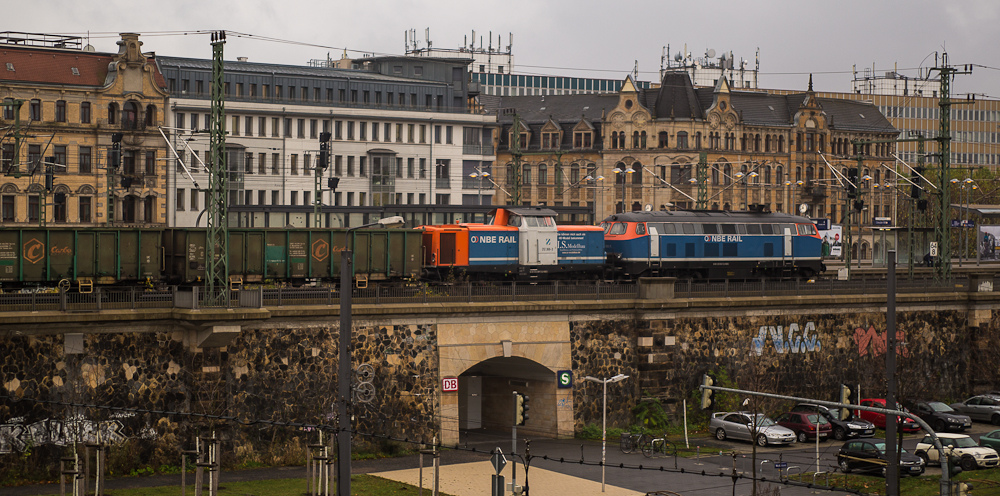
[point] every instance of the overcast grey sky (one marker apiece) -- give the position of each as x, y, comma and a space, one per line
579, 38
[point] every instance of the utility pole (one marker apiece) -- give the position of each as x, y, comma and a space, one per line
217, 243
702, 175
515, 153
942, 230
13, 168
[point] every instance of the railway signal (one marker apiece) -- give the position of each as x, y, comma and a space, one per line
115, 156
324, 150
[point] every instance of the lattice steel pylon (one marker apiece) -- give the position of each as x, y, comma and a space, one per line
217, 242
942, 230
702, 177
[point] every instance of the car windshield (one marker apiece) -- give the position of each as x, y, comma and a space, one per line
817, 419
965, 442
763, 421
937, 406
881, 448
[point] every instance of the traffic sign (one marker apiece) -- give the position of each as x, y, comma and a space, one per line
498, 460
449, 384
564, 378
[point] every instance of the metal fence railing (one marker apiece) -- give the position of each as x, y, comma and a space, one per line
135, 298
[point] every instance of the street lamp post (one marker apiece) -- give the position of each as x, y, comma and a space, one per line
480, 174
626, 171
344, 357
604, 417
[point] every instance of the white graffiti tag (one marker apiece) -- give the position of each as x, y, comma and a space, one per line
18, 436
808, 341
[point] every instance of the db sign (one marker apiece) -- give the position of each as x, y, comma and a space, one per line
449, 384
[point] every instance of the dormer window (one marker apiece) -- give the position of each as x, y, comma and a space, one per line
10, 66
76, 71
583, 139
550, 140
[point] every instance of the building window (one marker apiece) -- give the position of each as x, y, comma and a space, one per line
85, 160
350, 130
236, 126
150, 115
275, 164
262, 126
8, 108
294, 164
33, 208
180, 199
288, 127
85, 208
261, 164
275, 198
248, 123
35, 108
301, 128
374, 131
150, 162
363, 131
350, 166
387, 132
682, 140
61, 111
7, 208
194, 201
314, 127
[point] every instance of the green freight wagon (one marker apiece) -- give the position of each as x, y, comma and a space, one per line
66, 255
257, 255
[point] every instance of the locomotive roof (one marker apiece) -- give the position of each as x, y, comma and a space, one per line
538, 211
706, 216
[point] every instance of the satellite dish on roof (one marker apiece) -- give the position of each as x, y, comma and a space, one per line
648, 207
678, 57
710, 53
803, 208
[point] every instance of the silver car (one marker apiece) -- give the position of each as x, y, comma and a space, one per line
749, 427
984, 407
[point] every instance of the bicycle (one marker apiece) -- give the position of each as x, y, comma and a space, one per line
630, 442
660, 446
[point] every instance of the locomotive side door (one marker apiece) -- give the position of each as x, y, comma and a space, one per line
654, 242
788, 244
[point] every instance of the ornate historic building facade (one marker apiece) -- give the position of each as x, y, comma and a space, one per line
758, 150
62, 108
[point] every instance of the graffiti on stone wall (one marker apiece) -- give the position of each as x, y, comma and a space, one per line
795, 342
17, 435
873, 342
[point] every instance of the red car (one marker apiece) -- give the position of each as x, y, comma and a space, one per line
805, 425
878, 419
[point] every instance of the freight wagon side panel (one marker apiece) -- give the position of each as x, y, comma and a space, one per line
408, 259
370, 252
10, 256
253, 258
237, 250
150, 255
61, 250
321, 254
33, 255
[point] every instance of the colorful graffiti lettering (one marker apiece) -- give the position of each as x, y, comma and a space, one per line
808, 341
871, 340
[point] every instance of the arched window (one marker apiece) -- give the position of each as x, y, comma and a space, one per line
543, 174
614, 140
810, 173
767, 143
635, 139
642, 139
779, 177
727, 174
756, 143
781, 144
682, 140
112, 113
150, 115
715, 176
767, 174
663, 139
798, 173
620, 176
637, 175
130, 117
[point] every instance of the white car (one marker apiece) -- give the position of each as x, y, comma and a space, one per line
751, 427
971, 455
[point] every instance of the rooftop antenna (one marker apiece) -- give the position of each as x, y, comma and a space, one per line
636, 70
663, 58
473, 46
490, 47
511, 42
427, 35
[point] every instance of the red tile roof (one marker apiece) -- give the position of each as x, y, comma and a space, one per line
32, 65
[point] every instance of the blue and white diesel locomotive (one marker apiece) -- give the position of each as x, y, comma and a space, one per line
711, 244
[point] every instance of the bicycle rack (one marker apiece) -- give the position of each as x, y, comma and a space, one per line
789, 473
825, 473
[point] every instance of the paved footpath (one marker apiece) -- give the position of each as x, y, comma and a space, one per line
473, 479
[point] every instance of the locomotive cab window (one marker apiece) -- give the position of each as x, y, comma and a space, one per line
753, 228
618, 228
640, 228
807, 229
766, 229
515, 221
710, 228
728, 228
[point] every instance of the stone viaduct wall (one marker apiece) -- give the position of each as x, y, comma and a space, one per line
281, 363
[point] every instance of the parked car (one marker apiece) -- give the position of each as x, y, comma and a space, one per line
749, 427
908, 425
941, 417
805, 425
843, 429
983, 407
991, 440
971, 456
868, 455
